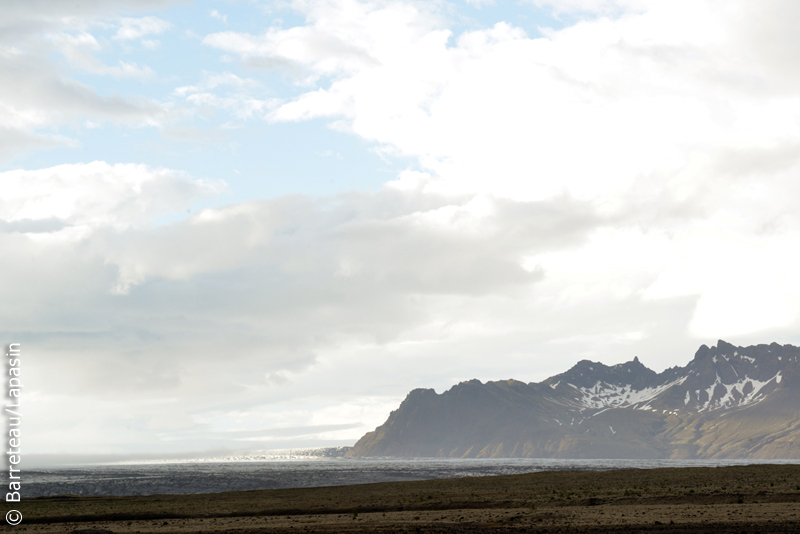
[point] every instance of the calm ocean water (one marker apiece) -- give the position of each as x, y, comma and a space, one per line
211, 476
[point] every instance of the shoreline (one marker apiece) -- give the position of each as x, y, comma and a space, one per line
752, 498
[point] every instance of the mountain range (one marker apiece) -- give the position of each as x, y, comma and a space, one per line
727, 402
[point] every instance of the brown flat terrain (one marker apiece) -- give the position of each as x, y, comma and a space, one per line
759, 498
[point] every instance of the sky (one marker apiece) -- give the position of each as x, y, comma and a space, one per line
246, 225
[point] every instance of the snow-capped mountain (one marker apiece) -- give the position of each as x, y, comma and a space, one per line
728, 402
718, 378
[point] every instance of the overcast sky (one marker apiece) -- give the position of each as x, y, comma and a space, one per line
258, 224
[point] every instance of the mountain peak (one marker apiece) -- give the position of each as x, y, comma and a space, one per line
728, 402
724, 347
633, 364
702, 352
587, 374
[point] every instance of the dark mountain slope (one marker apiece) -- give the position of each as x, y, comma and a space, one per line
728, 402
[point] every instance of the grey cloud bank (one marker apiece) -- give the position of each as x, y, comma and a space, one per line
214, 308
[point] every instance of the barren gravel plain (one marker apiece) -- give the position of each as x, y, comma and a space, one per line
751, 499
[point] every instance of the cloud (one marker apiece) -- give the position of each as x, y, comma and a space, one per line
79, 48
136, 28
470, 246
649, 115
38, 97
619, 91
23, 20
285, 285
229, 92
35, 96
197, 135
96, 195
213, 80
14, 140
603, 7
32, 226
217, 15
342, 37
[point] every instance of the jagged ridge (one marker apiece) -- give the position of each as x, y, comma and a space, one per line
728, 402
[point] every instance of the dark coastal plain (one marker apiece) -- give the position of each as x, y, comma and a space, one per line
751, 499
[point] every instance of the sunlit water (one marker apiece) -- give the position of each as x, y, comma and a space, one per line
211, 476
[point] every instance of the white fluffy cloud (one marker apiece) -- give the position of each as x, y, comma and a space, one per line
36, 100
38, 97
588, 110
675, 117
136, 28
237, 100
98, 195
79, 49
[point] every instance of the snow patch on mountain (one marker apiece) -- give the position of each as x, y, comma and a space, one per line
603, 395
717, 395
736, 394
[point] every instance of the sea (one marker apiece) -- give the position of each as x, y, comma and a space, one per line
286, 469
